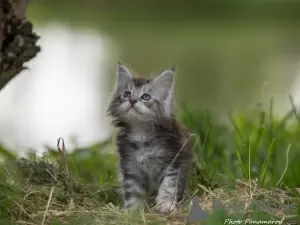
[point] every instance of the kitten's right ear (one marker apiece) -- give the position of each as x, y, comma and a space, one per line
123, 75
164, 83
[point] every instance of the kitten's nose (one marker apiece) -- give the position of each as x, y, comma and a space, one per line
132, 100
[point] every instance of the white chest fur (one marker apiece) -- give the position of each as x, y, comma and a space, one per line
147, 151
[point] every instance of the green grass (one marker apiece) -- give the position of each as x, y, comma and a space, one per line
250, 163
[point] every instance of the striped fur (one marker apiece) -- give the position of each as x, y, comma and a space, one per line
155, 151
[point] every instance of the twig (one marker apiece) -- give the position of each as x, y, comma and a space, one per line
63, 154
51, 175
143, 217
286, 164
24, 222
181, 150
249, 166
49, 200
27, 214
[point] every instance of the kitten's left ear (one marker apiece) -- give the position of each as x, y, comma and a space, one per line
165, 82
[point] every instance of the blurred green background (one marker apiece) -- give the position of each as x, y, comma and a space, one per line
227, 52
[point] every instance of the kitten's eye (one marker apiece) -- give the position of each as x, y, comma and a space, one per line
127, 94
146, 97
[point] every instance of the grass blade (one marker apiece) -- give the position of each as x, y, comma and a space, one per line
238, 154
271, 119
7, 154
294, 109
266, 163
260, 131
237, 129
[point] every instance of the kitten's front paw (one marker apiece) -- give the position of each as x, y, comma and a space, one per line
136, 205
166, 207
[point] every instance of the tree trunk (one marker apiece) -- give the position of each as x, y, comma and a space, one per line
17, 39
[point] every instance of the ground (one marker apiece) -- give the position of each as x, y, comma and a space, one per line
249, 166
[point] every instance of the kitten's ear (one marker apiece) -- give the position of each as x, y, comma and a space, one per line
164, 83
123, 75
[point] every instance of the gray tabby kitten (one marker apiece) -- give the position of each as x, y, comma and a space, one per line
155, 151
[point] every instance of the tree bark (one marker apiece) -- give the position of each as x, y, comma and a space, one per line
17, 39
20, 7
1, 23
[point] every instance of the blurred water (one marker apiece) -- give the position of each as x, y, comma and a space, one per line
61, 95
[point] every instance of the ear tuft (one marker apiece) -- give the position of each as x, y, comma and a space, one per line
122, 70
164, 83
123, 76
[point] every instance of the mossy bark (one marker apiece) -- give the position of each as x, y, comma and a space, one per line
17, 39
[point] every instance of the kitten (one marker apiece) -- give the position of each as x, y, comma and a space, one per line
155, 151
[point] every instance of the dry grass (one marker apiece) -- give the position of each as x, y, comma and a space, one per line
47, 198
247, 199
62, 188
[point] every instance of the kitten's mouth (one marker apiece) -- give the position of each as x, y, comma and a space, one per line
133, 109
